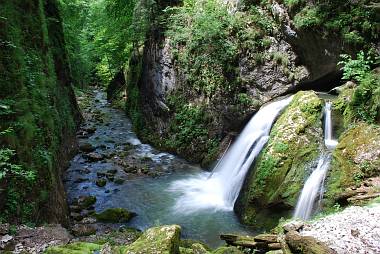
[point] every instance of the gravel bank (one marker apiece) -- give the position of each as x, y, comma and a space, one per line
354, 230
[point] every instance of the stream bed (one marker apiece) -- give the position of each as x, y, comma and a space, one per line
141, 178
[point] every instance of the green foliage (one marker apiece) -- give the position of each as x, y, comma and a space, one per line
208, 40
9, 169
365, 101
355, 21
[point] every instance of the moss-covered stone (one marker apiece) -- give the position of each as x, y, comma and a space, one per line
115, 215
356, 157
158, 240
278, 176
227, 250
75, 248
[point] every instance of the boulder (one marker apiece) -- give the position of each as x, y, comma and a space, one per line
293, 226
115, 215
306, 244
84, 202
158, 240
101, 182
86, 147
7, 243
83, 230
93, 157
227, 250
273, 184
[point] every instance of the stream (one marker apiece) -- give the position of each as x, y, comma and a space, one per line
144, 177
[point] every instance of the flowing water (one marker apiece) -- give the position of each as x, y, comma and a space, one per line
313, 187
218, 191
149, 195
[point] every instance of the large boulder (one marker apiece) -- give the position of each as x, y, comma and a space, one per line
115, 215
158, 240
274, 183
356, 157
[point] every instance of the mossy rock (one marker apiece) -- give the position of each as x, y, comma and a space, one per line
115, 215
101, 182
227, 250
158, 240
278, 176
75, 248
356, 157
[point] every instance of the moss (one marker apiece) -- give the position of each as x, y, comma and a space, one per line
74, 248
281, 169
160, 240
227, 250
115, 215
356, 158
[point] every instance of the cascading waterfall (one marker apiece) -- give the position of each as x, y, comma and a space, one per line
220, 189
330, 143
314, 184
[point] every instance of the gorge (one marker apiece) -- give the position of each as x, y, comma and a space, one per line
207, 126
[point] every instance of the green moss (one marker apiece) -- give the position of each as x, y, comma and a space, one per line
354, 159
74, 248
281, 169
227, 250
115, 215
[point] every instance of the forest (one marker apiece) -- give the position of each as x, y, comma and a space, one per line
192, 126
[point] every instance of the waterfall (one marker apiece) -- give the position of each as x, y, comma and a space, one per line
220, 189
312, 188
330, 143
314, 184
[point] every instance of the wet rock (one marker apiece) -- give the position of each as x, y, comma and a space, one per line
90, 129
101, 182
7, 243
76, 216
119, 181
86, 147
107, 191
164, 239
307, 244
115, 215
112, 171
110, 177
83, 230
85, 202
100, 174
93, 157
228, 250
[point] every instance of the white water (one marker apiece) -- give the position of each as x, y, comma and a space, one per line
314, 184
312, 188
220, 189
330, 143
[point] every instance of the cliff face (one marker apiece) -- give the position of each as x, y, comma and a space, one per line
269, 52
39, 113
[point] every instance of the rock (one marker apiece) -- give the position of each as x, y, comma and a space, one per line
112, 171
268, 238
76, 216
83, 230
4, 229
85, 202
307, 244
75, 208
115, 215
77, 248
86, 147
293, 226
273, 185
355, 158
159, 240
101, 182
93, 157
88, 220
106, 249
274, 246
119, 181
7, 243
81, 180
227, 250
275, 252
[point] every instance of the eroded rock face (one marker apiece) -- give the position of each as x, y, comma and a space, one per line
159, 240
275, 181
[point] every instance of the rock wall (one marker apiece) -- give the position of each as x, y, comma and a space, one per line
39, 112
275, 181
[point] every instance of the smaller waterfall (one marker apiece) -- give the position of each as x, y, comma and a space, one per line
220, 189
330, 143
312, 188
314, 184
